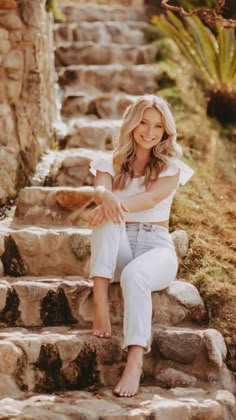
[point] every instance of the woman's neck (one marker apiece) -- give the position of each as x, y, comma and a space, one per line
142, 156
139, 163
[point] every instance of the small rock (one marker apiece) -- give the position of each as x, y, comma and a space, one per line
216, 347
180, 346
14, 60
28, 12
3, 292
8, 4
13, 90
225, 398
167, 409
2, 244
1, 269
9, 357
10, 21
16, 36
172, 378
4, 34
5, 46
181, 242
185, 293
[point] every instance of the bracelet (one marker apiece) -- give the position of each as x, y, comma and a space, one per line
98, 193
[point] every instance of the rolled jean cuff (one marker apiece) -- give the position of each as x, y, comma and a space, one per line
107, 274
138, 341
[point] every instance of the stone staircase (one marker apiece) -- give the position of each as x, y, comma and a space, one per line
50, 365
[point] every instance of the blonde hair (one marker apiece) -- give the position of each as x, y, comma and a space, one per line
124, 154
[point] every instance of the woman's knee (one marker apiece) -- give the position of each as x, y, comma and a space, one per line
108, 231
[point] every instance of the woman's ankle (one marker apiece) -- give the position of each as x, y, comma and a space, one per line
135, 354
100, 290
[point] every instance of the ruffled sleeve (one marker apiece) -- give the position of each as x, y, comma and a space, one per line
176, 165
103, 164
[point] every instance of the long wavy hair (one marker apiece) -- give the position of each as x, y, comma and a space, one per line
125, 152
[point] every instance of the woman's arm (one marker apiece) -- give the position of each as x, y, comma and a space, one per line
158, 191
110, 204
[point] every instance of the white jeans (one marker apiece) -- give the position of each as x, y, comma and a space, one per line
142, 257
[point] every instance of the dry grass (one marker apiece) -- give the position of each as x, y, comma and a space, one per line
205, 208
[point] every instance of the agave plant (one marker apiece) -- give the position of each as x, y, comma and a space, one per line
213, 55
53, 7
193, 4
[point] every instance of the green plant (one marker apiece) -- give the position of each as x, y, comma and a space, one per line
52, 6
213, 55
194, 4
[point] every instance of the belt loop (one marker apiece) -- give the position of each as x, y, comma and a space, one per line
140, 226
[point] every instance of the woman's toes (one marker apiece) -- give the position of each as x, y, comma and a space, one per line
101, 334
117, 392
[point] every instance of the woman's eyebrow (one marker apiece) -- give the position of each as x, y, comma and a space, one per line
145, 119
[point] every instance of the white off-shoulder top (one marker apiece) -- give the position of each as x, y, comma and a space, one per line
161, 211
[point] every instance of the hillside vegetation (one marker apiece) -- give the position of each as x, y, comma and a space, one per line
205, 207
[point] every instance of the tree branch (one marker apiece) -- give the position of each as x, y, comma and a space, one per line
210, 16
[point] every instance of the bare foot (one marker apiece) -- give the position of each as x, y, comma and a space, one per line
101, 323
128, 385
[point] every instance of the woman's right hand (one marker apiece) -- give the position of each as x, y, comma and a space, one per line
96, 217
112, 207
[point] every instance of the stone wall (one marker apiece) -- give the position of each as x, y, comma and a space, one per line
27, 99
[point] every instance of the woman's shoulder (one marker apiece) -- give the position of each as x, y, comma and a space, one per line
103, 163
175, 165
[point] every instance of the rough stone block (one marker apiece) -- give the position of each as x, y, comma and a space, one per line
4, 34
38, 251
14, 60
5, 46
10, 21
180, 346
216, 347
8, 4
134, 80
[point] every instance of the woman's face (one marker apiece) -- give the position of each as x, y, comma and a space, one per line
150, 130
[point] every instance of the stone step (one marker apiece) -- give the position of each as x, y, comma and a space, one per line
47, 301
134, 80
68, 358
152, 402
70, 53
68, 167
63, 207
39, 251
42, 206
85, 132
93, 13
106, 105
28, 250
101, 32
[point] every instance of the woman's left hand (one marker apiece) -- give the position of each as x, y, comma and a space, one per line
96, 217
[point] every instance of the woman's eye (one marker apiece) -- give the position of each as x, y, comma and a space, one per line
142, 122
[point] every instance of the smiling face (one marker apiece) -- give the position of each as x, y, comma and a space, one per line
150, 130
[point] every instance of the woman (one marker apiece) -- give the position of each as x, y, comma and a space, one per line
130, 241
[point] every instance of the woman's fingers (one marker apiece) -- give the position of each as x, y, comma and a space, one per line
114, 214
95, 216
123, 206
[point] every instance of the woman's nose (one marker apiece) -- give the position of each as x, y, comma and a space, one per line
149, 130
